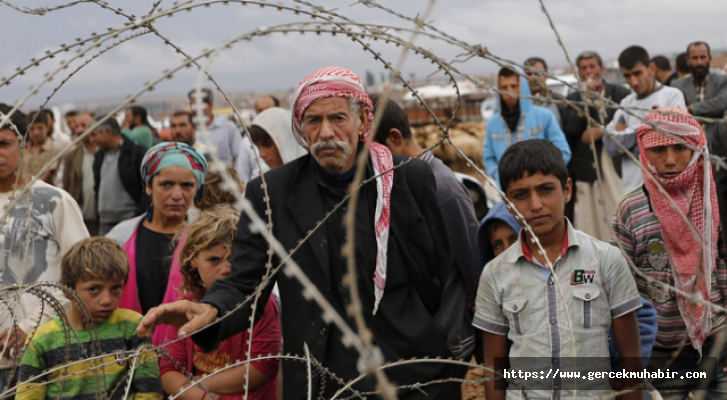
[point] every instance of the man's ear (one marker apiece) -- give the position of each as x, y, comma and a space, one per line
568, 190
395, 137
363, 116
652, 68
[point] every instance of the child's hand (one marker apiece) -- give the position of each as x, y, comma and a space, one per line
12, 340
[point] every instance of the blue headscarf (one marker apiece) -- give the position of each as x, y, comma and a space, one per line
173, 154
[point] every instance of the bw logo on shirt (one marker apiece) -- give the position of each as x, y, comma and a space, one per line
581, 276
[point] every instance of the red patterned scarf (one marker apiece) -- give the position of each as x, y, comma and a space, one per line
340, 82
694, 193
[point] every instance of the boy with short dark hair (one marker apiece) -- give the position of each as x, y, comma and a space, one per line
97, 270
519, 299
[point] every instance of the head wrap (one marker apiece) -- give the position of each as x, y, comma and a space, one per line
694, 193
173, 154
340, 82
276, 122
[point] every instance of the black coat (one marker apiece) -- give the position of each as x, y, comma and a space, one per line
580, 166
419, 260
132, 153
719, 149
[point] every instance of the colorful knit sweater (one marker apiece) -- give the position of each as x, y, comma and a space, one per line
49, 367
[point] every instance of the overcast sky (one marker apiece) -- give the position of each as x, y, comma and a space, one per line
512, 29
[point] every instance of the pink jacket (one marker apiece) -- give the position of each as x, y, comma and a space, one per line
130, 299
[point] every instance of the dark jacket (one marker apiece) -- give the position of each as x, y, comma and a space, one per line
714, 104
580, 166
719, 149
418, 263
460, 288
132, 153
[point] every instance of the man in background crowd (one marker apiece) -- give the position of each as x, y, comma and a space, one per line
705, 93
663, 73
78, 172
594, 201
535, 71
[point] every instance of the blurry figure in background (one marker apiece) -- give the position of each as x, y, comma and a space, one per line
78, 172
705, 93
39, 228
60, 138
137, 127
648, 94
594, 201
518, 119
184, 130
537, 68
173, 173
41, 148
663, 73
264, 102
454, 316
117, 182
206, 257
681, 65
232, 147
70, 117
273, 135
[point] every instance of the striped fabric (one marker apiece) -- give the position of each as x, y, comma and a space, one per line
86, 380
638, 231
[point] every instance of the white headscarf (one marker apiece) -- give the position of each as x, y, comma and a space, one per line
276, 122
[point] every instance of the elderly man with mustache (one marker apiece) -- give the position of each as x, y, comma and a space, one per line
401, 250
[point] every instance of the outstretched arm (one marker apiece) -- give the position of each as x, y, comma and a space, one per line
626, 333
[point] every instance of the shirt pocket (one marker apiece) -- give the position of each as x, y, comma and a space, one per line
589, 310
513, 309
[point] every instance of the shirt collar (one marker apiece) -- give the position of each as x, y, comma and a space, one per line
704, 81
521, 248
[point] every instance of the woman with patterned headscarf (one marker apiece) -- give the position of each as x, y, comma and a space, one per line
173, 173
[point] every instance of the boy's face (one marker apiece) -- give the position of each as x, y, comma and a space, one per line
100, 296
540, 199
38, 132
269, 152
502, 238
669, 161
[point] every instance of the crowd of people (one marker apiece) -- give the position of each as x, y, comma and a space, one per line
622, 258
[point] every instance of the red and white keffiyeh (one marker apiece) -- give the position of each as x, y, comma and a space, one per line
695, 195
341, 82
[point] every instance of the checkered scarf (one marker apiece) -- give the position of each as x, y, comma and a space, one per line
340, 82
695, 195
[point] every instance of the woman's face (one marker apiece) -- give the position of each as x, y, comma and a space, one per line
172, 192
213, 263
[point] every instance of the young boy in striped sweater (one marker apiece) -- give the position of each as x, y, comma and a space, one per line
668, 228
94, 349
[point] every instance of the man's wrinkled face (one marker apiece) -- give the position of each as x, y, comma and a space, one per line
640, 78
589, 68
509, 87
82, 123
669, 161
182, 129
698, 60
332, 133
536, 78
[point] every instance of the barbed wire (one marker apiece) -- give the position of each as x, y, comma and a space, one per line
331, 23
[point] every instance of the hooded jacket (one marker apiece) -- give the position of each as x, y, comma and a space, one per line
535, 123
276, 122
646, 315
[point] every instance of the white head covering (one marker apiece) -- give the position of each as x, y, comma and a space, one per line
276, 122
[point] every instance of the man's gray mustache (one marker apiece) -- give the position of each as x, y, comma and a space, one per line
317, 147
